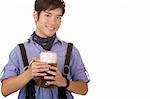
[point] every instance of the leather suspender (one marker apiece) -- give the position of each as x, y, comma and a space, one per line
67, 60
62, 90
24, 55
30, 90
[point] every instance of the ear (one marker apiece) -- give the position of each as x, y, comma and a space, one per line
35, 15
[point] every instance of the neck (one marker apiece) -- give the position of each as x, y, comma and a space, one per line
38, 33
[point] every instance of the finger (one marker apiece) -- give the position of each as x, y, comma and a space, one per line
50, 72
53, 68
50, 78
39, 74
35, 59
39, 65
50, 83
40, 70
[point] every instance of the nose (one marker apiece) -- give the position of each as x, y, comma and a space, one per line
53, 20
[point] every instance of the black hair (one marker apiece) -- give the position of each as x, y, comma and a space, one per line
42, 5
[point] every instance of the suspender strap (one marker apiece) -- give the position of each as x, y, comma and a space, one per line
30, 90
67, 61
24, 55
62, 90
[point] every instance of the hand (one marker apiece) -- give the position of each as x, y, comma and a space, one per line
38, 68
57, 79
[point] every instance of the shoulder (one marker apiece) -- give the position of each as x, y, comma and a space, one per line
75, 50
16, 50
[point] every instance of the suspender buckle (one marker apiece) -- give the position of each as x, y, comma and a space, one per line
65, 70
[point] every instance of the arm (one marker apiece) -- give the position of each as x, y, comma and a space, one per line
78, 87
13, 84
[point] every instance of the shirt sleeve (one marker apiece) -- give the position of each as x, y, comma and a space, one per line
78, 70
11, 68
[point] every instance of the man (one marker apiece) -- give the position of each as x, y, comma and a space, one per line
47, 15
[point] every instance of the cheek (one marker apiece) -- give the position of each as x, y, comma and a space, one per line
42, 20
42, 23
58, 24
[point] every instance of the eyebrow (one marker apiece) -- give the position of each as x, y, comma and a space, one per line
51, 13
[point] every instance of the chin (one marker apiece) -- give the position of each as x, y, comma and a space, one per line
49, 35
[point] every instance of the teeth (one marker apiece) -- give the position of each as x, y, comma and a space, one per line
51, 28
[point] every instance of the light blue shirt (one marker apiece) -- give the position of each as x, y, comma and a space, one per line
15, 66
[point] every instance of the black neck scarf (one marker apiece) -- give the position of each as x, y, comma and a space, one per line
46, 43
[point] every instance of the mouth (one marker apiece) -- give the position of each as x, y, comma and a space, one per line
50, 28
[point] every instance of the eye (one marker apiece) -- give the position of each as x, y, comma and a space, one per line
59, 17
47, 15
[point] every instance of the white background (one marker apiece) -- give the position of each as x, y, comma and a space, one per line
113, 37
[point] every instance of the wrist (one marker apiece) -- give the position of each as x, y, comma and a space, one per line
67, 83
28, 71
25, 68
28, 74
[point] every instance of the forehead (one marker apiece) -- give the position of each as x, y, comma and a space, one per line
57, 11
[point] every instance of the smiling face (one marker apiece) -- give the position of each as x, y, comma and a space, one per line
47, 22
